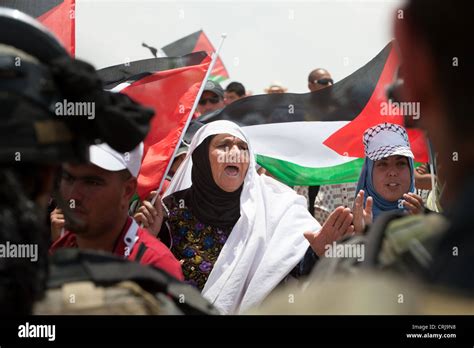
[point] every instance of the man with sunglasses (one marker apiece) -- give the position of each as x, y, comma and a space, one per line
319, 79
322, 200
212, 98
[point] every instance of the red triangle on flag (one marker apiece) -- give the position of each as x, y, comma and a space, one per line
171, 94
347, 141
204, 44
61, 20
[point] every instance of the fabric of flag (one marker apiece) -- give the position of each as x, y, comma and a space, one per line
316, 138
171, 93
129, 72
195, 42
57, 15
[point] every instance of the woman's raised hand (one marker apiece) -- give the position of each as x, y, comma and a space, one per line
362, 216
336, 226
413, 203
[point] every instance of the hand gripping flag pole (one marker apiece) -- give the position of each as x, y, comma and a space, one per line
191, 113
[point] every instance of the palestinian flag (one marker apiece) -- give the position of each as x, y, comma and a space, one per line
194, 42
171, 93
316, 138
57, 15
127, 73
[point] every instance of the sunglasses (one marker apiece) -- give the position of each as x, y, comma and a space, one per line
324, 81
213, 100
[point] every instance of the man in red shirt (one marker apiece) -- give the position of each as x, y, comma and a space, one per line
98, 194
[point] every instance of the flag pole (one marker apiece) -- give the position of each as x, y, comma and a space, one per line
191, 113
432, 170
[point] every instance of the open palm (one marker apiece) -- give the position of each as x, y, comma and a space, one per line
336, 226
362, 216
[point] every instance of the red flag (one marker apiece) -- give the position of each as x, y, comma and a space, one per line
57, 15
196, 42
61, 20
171, 93
347, 141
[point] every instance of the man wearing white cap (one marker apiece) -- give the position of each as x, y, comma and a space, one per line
98, 195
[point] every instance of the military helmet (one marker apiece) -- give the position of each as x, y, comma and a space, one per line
37, 75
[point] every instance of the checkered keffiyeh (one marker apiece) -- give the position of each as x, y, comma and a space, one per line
386, 139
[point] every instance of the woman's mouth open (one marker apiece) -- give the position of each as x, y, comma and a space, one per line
393, 186
232, 171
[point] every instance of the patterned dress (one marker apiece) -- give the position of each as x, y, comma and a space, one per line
198, 245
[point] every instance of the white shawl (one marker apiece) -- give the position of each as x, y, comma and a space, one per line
267, 241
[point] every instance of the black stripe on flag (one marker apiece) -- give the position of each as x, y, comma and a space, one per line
183, 45
342, 101
34, 8
114, 75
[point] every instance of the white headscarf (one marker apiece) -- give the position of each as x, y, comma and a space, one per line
267, 241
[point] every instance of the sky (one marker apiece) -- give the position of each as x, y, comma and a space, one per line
267, 40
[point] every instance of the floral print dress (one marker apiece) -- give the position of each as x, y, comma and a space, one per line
196, 244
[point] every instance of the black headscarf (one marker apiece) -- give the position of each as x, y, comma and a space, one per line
208, 202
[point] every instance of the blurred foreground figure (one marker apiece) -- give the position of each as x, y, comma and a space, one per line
440, 52
37, 134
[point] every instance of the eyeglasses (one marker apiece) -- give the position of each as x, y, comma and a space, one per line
324, 81
213, 100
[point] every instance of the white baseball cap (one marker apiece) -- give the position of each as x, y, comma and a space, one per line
105, 157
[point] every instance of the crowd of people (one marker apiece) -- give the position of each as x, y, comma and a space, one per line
221, 225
